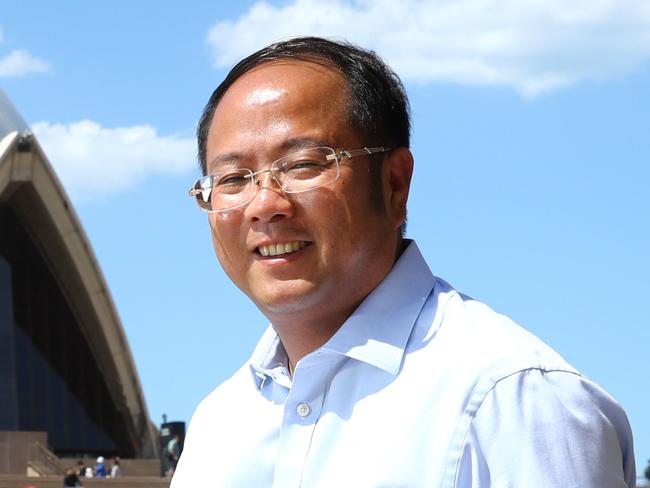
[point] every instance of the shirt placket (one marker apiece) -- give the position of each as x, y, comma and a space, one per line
302, 410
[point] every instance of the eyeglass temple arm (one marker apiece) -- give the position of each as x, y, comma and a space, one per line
197, 191
365, 150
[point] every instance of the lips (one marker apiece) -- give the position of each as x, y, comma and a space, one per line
281, 248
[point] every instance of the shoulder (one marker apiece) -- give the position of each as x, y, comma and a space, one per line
526, 412
225, 399
490, 344
555, 427
217, 424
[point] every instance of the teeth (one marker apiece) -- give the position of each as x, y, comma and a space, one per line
281, 248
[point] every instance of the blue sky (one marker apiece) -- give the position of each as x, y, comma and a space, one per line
530, 133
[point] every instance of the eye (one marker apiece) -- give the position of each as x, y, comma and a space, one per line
303, 164
232, 179
232, 182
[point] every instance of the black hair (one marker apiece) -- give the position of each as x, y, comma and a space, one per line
377, 104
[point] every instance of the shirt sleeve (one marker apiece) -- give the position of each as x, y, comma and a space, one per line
547, 429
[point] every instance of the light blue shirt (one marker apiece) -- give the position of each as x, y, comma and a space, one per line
421, 387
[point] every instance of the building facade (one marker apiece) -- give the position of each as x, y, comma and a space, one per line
65, 365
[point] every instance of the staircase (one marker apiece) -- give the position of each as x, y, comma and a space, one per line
16, 481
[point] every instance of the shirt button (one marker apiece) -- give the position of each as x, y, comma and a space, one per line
303, 409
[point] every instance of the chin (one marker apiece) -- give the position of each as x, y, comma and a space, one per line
286, 300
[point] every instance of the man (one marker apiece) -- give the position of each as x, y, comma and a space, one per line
100, 468
71, 479
81, 468
373, 372
173, 452
116, 469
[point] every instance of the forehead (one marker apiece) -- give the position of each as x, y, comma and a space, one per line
280, 99
260, 84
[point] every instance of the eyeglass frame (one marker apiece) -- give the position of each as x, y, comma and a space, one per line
337, 155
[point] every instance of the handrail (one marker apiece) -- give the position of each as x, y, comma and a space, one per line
43, 455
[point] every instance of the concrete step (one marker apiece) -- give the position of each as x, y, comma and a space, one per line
16, 481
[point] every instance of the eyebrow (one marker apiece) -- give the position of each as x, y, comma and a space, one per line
291, 144
297, 143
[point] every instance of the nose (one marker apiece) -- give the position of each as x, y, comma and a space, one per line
270, 203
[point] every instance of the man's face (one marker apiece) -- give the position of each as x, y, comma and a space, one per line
346, 245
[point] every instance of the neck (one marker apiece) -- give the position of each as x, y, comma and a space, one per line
302, 332
301, 336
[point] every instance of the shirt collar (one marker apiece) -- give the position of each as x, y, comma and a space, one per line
378, 330
269, 359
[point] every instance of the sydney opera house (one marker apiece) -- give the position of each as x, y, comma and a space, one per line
66, 371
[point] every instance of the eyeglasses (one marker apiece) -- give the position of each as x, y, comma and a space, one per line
298, 172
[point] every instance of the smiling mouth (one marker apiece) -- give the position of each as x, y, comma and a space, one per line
281, 248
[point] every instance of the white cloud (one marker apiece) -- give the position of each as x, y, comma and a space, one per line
532, 45
19, 62
93, 161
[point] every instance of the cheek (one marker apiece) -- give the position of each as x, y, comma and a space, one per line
225, 239
329, 207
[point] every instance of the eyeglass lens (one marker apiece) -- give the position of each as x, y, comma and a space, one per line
297, 172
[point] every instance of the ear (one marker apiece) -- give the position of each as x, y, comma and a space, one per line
397, 172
